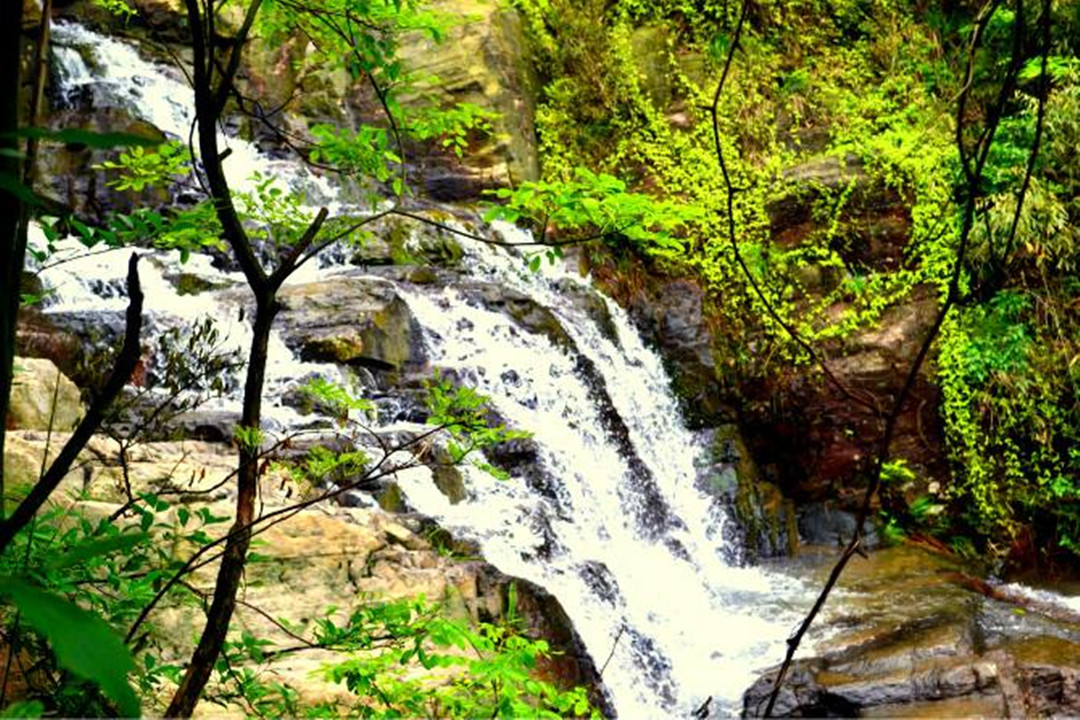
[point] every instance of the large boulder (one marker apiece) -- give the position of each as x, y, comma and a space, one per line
43, 397
671, 317
351, 320
817, 444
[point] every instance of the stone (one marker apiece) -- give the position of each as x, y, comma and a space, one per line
822, 524
907, 641
528, 314
765, 519
38, 337
671, 316
480, 61
350, 320
816, 443
43, 397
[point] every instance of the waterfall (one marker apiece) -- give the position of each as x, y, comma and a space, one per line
607, 517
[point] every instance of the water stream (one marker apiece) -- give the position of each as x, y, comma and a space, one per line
609, 518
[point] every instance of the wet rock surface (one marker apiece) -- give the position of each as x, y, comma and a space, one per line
671, 317
909, 632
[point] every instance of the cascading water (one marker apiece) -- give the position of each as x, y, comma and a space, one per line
615, 528
608, 518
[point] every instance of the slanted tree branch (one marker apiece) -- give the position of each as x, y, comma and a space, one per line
124, 366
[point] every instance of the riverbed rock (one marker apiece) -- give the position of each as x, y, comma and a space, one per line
43, 397
916, 633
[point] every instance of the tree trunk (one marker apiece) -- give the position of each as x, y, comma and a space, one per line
11, 210
236, 547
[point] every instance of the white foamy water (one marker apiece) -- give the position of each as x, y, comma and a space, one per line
114, 75
689, 626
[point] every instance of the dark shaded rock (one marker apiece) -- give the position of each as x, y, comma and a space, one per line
874, 221
69, 173
38, 336
671, 318
816, 443
208, 425
764, 519
591, 304
822, 524
403, 241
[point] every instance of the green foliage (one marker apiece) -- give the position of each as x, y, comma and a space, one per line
466, 416
82, 642
120, 8
452, 126
273, 214
598, 205
186, 231
249, 439
74, 580
406, 658
334, 400
489, 671
367, 151
139, 167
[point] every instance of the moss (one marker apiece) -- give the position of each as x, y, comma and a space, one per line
391, 499
189, 284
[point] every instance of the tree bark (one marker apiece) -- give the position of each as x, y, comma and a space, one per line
235, 555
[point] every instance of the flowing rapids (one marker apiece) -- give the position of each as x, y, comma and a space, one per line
607, 517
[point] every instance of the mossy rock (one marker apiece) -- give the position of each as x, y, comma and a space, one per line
191, 284
351, 321
392, 499
765, 516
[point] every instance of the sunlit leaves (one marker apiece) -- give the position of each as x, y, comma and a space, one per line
366, 152
598, 204
140, 167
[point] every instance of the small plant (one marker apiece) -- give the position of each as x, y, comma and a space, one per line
466, 416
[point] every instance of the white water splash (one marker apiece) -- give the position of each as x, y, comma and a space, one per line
678, 623
114, 75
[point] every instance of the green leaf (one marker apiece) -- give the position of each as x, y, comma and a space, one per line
24, 709
83, 643
24, 194
96, 548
